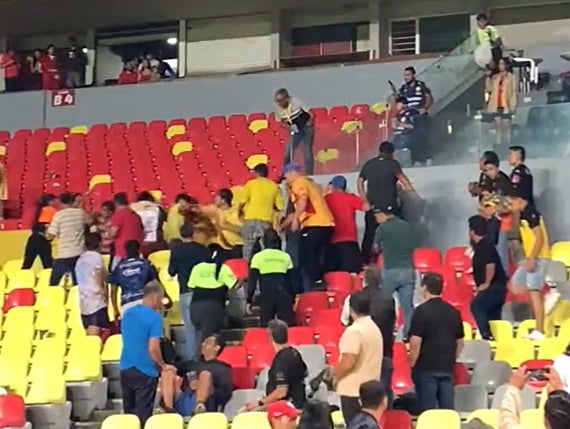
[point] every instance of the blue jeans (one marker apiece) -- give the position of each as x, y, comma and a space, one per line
305, 137
503, 249
189, 331
386, 379
402, 282
488, 305
62, 267
292, 248
434, 390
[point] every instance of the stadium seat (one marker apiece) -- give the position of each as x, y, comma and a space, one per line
338, 281
257, 420
556, 272
396, 419
161, 421
159, 259
239, 399
338, 419
209, 421
314, 356
308, 304
243, 378
551, 348
470, 398
12, 266
19, 320
84, 360
474, 352
487, 416
426, 259
12, 411
524, 328
328, 335
255, 338
456, 258
491, 374
402, 378
560, 251
532, 419
53, 297
49, 389
3, 281
299, 335
327, 317
514, 351
501, 330
460, 374
235, 356
112, 349
239, 267
19, 298
261, 357
121, 421
431, 419
21, 279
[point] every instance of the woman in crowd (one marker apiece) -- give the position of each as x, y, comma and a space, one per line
229, 242
145, 72
38, 244
502, 88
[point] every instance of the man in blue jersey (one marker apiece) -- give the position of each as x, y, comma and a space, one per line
131, 275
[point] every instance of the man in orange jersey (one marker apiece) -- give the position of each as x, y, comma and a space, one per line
313, 217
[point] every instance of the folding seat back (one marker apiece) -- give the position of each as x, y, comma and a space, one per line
491, 374
235, 356
12, 411
255, 338
257, 420
19, 298
457, 259
448, 419
528, 397
314, 357
396, 419
243, 378
340, 281
470, 398
487, 416
161, 421
237, 402
300, 335
121, 421
208, 420
426, 259
112, 348
309, 304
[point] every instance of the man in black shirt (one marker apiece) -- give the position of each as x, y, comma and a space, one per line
381, 176
490, 278
286, 378
374, 404
184, 256
475, 188
405, 133
436, 339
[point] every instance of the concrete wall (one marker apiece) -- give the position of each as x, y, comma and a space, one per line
440, 218
204, 96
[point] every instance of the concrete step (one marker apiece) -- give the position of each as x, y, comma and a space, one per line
86, 425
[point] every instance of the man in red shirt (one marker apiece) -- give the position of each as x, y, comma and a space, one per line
343, 253
126, 225
9, 63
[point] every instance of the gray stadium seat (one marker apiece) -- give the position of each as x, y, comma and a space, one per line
262, 379
563, 288
474, 352
528, 397
469, 398
491, 374
556, 272
239, 399
314, 357
516, 312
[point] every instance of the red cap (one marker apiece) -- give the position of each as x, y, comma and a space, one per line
279, 409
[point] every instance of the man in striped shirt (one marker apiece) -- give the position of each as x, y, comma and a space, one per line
68, 226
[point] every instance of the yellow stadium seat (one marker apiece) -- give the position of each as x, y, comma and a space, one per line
564, 331
50, 349
514, 351
12, 266
208, 420
525, 327
489, 417
561, 313
48, 389
532, 419
338, 419
84, 360
551, 348
19, 319
255, 419
501, 330
121, 421
76, 333
431, 419
107, 260
112, 348
170, 421
22, 279
16, 347
159, 259
561, 252
173, 290
542, 398
3, 281
52, 297
51, 321
13, 370
72, 301
467, 331
42, 368
43, 279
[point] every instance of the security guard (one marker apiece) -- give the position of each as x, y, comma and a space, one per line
521, 177
405, 135
273, 268
419, 97
210, 282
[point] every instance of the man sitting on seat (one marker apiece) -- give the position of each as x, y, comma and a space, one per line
205, 386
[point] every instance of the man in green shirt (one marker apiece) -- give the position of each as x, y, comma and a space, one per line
395, 240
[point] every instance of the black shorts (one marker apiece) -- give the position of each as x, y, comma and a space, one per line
99, 319
344, 256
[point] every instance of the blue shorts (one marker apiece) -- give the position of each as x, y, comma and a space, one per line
534, 280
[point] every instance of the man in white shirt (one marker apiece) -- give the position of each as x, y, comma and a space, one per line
152, 217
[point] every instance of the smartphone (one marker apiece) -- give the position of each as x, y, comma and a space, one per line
537, 374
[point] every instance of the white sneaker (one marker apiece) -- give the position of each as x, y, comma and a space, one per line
535, 335
550, 301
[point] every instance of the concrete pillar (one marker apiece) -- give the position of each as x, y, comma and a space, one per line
276, 27
91, 58
375, 29
182, 40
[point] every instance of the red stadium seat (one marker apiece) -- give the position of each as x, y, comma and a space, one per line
19, 298
239, 267
12, 411
338, 281
300, 335
308, 304
235, 356
328, 335
261, 358
402, 378
460, 374
327, 317
243, 378
400, 353
396, 419
255, 338
426, 259
456, 259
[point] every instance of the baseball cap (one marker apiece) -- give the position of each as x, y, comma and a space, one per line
291, 167
279, 409
338, 182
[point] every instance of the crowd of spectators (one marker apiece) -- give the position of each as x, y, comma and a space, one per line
145, 69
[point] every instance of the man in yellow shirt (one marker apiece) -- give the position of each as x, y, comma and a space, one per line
228, 241
316, 222
175, 216
261, 199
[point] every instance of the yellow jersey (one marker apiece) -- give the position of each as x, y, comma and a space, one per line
262, 197
530, 219
317, 211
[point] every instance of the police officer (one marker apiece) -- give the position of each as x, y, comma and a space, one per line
419, 97
210, 282
273, 268
521, 177
405, 135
